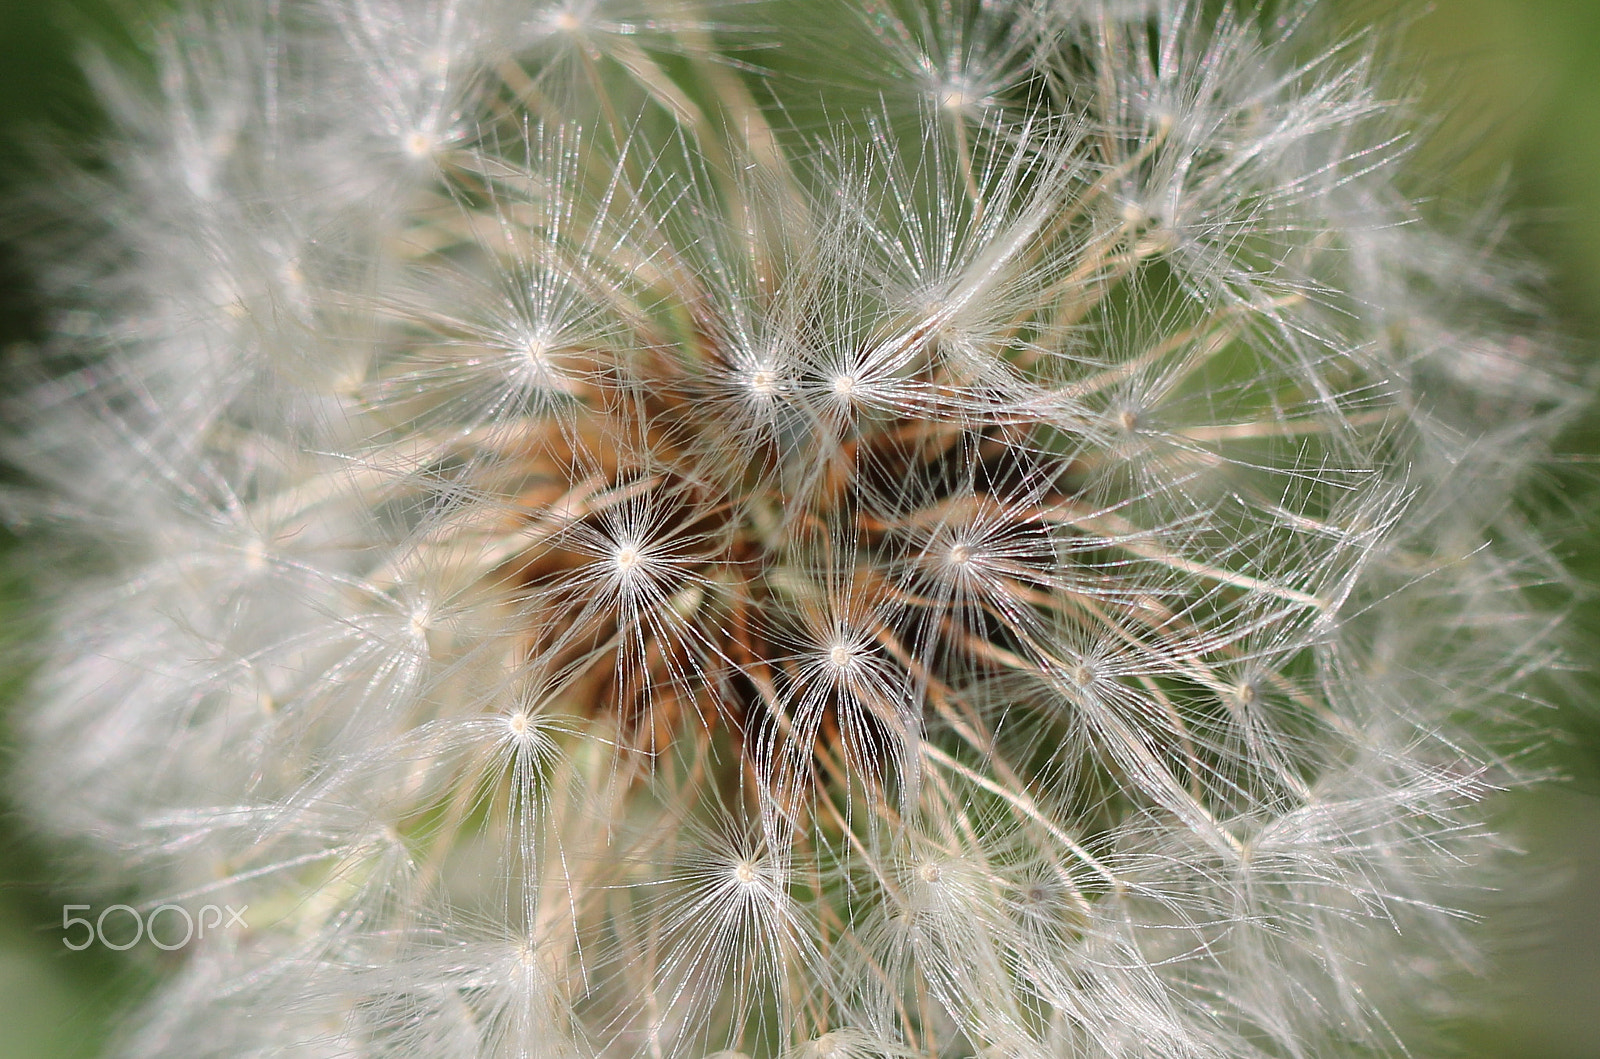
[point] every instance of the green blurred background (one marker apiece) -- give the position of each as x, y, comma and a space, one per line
1520, 83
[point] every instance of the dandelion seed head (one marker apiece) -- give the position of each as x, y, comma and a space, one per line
964, 567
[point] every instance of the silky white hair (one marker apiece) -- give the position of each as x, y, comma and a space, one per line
845, 530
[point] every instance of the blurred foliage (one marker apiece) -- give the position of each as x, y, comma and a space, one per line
1519, 83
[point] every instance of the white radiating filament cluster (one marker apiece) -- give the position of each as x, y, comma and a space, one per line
877, 528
